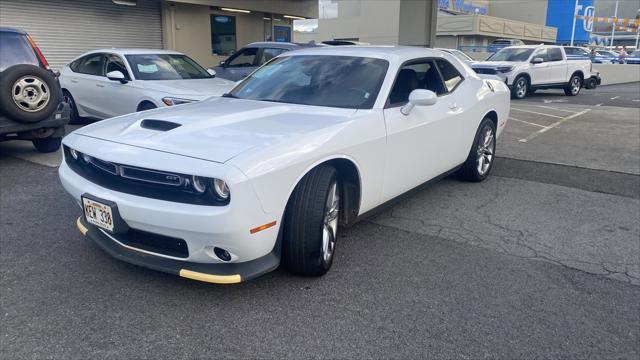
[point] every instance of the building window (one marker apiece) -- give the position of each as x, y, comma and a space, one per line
223, 34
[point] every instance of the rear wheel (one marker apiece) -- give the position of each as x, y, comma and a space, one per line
591, 83
574, 86
520, 88
480, 160
74, 117
47, 145
311, 223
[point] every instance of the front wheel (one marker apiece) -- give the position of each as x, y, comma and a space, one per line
311, 223
520, 88
74, 117
47, 145
574, 86
480, 160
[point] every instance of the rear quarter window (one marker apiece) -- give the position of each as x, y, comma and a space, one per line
15, 50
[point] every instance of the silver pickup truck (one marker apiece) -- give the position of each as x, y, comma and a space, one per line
527, 68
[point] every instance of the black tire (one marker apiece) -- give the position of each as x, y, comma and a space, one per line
47, 145
591, 83
40, 89
146, 106
573, 86
74, 118
520, 88
304, 223
470, 170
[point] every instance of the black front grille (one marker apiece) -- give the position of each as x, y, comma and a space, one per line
142, 182
156, 243
485, 71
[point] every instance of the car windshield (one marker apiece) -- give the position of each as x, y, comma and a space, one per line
511, 54
165, 67
334, 81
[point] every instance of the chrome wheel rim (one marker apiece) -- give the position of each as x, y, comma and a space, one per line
330, 222
521, 87
486, 148
30, 93
575, 85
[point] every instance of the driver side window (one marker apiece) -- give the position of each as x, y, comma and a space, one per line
245, 58
421, 74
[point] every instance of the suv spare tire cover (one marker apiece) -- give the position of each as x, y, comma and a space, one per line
28, 93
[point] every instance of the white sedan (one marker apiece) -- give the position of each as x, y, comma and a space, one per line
226, 189
105, 83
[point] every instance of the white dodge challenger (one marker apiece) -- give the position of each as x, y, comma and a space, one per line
226, 189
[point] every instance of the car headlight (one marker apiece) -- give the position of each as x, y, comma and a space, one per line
171, 101
221, 188
505, 69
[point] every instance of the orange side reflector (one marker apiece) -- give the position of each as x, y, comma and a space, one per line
262, 227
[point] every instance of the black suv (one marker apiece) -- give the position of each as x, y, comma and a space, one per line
31, 106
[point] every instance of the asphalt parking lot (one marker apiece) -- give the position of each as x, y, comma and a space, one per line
542, 260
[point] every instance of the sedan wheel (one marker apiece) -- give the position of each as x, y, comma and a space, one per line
310, 226
480, 160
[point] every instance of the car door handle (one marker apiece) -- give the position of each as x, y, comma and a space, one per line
453, 106
74, 81
100, 85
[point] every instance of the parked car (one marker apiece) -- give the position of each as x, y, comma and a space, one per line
606, 57
252, 56
225, 189
528, 68
503, 43
31, 106
111, 82
633, 58
460, 55
344, 42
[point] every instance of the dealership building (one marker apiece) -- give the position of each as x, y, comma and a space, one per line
206, 30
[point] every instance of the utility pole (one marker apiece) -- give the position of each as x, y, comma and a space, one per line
613, 27
573, 29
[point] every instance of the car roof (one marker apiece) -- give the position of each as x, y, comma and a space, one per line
12, 30
378, 51
274, 44
123, 51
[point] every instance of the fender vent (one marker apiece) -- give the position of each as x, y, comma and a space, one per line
159, 125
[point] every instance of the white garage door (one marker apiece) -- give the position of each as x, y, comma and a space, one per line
65, 29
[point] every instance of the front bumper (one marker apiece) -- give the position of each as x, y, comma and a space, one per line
213, 273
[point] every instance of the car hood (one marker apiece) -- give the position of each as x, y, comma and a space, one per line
494, 64
216, 129
191, 88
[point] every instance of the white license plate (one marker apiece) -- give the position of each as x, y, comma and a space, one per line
98, 214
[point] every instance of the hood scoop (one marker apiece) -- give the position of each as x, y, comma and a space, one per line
158, 125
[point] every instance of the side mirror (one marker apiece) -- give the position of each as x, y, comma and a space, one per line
211, 72
222, 63
419, 97
116, 76
537, 60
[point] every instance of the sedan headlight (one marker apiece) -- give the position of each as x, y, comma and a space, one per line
171, 101
505, 69
221, 188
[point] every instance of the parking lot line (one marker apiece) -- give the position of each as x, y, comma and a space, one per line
551, 108
526, 122
537, 113
615, 97
547, 128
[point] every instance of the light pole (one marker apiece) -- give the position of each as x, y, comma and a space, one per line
573, 29
613, 27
